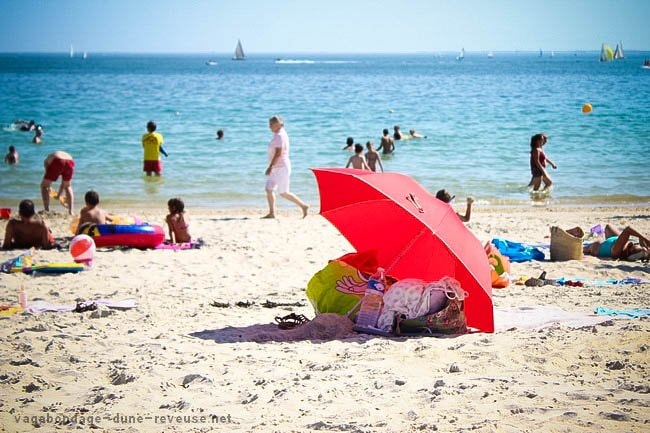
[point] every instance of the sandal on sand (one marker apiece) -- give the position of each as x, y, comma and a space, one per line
291, 321
85, 306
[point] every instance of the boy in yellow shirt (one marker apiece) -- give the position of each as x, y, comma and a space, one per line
152, 144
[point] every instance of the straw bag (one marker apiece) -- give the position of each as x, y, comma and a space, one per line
566, 246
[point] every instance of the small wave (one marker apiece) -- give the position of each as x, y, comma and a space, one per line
294, 62
311, 62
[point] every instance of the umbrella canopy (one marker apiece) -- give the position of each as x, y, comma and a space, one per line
414, 234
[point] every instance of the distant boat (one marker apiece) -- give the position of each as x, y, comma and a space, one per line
646, 64
461, 55
541, 53
606, 53
71, 51
490, 55
85, 55
239, 52
552, 53
211, 62
618, 52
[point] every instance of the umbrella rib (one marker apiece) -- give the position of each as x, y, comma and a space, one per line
404, 250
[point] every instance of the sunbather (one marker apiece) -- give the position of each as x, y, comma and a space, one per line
617, 245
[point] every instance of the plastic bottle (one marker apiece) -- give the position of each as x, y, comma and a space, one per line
372, 301
22, 298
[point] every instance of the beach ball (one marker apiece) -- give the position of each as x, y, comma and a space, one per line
82, 248
586, 108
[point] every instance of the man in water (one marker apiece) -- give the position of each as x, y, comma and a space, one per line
387, 144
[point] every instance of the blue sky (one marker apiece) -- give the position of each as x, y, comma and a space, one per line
307, 26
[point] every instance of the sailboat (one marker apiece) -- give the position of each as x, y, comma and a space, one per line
71, 51
85, 55
461, 55
239, 51
541, 53
490, 55
618, 52
606, 53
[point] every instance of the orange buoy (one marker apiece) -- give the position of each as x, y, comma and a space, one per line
586, 108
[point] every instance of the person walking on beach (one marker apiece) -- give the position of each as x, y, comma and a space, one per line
278, 171
538, 160
152, 143
387, 144
373, 158
357, 160
57, 164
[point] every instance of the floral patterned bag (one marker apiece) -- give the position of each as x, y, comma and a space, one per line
449, 320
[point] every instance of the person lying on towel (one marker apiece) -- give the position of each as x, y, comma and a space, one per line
618, 245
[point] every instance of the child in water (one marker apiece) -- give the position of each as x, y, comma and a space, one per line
12, 156
178, 225
357, 160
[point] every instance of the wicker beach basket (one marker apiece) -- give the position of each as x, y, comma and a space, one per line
566, 246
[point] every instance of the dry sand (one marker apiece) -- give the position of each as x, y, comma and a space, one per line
177, 363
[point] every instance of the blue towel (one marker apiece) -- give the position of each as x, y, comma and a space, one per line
517, 252
635, 313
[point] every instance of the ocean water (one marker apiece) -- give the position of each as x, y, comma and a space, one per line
477, 115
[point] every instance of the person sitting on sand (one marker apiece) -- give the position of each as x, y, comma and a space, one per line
28, 231
444, 195
91, 213
373, 158
617, 245
357, 160
177, 222
12, 156
387, 144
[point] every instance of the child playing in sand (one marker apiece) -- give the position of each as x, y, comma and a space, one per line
177, 222
91, 213
357, 160
12, 156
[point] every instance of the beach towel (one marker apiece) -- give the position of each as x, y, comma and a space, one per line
192, 245
538, 317
635, 313
517, 252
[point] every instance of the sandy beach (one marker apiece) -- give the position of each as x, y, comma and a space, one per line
200, 350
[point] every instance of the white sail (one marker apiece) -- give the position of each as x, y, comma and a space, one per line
618, 52
461, 55
85, 55
71, 51
239, 52
490, 55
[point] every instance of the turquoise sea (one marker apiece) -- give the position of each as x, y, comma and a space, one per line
477, 114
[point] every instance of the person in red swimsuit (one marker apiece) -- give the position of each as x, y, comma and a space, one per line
538, 160
57, 164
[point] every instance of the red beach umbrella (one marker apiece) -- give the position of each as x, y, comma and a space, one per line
414, 234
